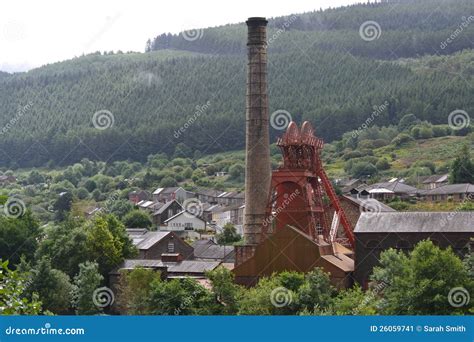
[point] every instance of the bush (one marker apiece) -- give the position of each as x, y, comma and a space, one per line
382, 164
137, 219
401, 139
82, 193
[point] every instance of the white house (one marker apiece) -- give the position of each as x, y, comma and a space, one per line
184, 222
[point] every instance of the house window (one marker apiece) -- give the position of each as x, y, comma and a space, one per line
170, 247
170, 212
188, 226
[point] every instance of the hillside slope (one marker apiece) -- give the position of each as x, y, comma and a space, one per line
193, 93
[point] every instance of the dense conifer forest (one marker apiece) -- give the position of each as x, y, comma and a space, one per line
320, 69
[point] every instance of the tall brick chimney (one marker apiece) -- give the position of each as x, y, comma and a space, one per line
257, 158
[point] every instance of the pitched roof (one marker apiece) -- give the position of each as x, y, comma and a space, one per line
370, 203
396, 187
129, 264
415, 222
181, 213
436, 179
191, 266
208, 249
163, 206
450, 189
145, 240
161, 191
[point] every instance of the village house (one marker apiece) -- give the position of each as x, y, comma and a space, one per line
231, 198
377, 232
163, 211
388, 190
138, 196
450, 192
169, 194
155, 244
435, 181
184, 224
233, 214
5, 179
207, 249
207, 195
347, 184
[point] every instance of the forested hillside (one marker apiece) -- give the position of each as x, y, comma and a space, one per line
320, 69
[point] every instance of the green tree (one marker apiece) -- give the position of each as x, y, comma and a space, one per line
85, 283
35, 177
103, 246
462, 169
18, 236
137, 219
420, 283
14, 299
120, 208
168, 182
316, 290
135, 290
63, 205
53, 287
225, 290
65, 245
180, 297
229, 235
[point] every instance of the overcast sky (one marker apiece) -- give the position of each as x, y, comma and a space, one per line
33, 33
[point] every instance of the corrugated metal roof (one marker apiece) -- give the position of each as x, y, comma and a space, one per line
415, 222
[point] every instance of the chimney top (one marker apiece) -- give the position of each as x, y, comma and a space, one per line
256, 21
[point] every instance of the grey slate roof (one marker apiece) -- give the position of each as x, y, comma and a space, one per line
208, 249
161, 208
415, 222
436, 179
192, 266
145, 239
396, 187
450, 189
129, 264
370, 203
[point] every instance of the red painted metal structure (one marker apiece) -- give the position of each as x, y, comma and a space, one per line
301, 193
